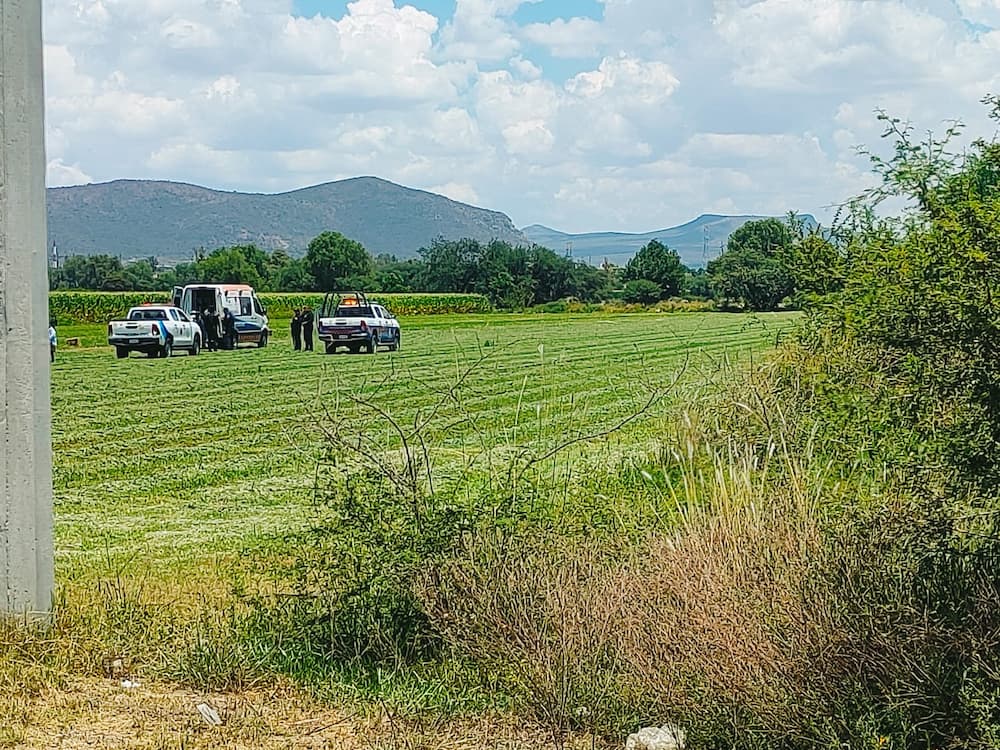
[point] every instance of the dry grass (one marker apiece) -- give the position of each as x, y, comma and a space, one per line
541, 614
714, 612
99, 713
710, 612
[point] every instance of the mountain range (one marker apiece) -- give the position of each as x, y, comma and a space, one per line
697, 242
173, 220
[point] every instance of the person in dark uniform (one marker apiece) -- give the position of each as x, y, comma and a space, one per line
199, 321
297, 329
307, 318
211, 323
228, 330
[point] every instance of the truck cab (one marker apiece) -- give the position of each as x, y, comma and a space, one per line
233, 310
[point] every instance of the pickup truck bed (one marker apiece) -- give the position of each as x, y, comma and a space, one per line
359, 327
155, 331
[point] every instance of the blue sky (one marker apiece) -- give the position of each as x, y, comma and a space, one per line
584, 115
338, 8
537, 12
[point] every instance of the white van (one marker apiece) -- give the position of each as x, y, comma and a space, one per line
249, 318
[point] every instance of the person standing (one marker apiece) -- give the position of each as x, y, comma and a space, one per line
297, 329
211, 323
52, 341
307, 318
229, 336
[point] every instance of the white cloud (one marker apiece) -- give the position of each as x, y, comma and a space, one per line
629, 80
984, 12
481, 30
58, 174
647, 116
790, 44
524, 68
576, 37
457, 191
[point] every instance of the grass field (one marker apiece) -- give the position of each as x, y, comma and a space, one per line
184, 486
162, 464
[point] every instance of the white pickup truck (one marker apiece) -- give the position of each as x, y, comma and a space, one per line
352, 321
156, 330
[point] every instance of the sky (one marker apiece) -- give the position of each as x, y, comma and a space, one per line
582, 115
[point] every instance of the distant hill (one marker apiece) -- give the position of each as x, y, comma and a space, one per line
697, 242
171, 219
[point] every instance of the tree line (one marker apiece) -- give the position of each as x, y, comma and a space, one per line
765, 265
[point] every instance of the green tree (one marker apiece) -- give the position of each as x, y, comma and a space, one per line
392, 275
919, 303
332, 259
696, 285
140, 276
754, 269
293, 276
179, 275
657, 263
450, 266
642, 292
91, 272
229, 265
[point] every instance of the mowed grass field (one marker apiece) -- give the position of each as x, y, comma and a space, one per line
161, 465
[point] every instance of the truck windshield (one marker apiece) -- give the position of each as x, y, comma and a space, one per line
353, 311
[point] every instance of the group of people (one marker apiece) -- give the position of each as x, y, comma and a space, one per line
302, 329
215, 332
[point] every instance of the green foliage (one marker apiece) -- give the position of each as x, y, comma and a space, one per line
290, 276
88, 272
753, 270
642, 292
696, 285
332, 259
921, 291
509, 276
816, 266
450, 266
352, 581
659, 264
893, 387
395, 276
100, 307
234, 265
512, 277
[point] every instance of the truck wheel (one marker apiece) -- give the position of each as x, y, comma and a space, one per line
396, 343
195, 346
262, 341
331, 348
167, 349
372, 346
121, 352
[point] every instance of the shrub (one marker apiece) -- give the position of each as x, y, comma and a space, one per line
642, 291
539, 611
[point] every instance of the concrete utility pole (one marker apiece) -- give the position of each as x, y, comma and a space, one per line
26, 565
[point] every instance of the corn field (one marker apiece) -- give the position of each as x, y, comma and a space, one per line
99, 307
